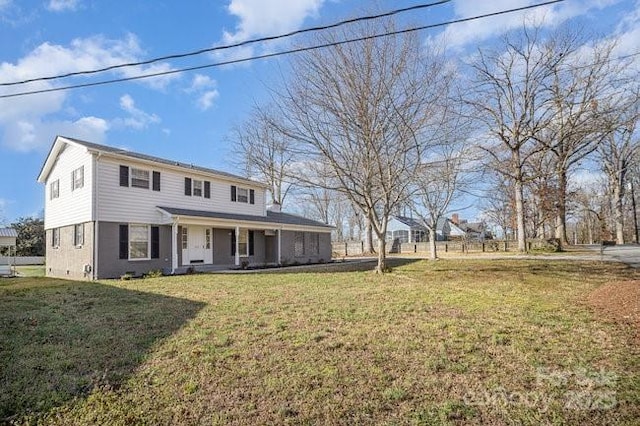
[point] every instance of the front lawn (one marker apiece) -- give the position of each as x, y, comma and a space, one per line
454, 341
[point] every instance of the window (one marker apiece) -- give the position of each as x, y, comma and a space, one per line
314, 243
185, 241
77, 178
138, 242
55, 237
418, 236
78, 234
402, 235
298, 244
243, 195
197, 188
243, 242
54, 189
139, 178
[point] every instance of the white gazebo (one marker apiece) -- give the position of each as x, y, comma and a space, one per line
8, 237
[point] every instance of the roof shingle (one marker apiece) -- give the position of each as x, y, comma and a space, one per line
271, 217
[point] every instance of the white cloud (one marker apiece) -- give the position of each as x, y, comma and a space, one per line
29, 122
268, 17
264, 18
27, 135
138, 119
201, 81
462, 34
205, 89
62, 5
205, 101
4, 4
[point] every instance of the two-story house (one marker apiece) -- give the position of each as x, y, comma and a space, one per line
110, 212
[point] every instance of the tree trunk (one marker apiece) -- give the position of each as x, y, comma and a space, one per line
519, 199
432, 244
617, 213
381, 268
561, 208
369, 238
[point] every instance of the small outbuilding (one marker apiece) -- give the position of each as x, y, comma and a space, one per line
8, 238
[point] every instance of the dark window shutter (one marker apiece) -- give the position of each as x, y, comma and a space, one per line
155, 242
233, 243
252, 196
233, 193
156, 181
124, 176
207, 189
187, 186
124, 241
251, 243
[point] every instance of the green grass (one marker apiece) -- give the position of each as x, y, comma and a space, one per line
447, 342
30, 270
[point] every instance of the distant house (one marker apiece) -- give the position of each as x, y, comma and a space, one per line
406, 230
110, 212
470, 231
8, 244
403, 229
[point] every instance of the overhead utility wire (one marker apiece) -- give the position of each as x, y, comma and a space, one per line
234, 45
275, 54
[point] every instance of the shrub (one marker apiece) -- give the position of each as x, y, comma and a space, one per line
154, 273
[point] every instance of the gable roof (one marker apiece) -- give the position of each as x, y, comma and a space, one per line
60, 142
472, 226
271, 217
8, 232
409, 221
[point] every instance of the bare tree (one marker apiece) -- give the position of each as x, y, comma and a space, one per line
359, 109
264, 152
509, 101
619, 154
497, 206
446, 175
591, 208
575, 92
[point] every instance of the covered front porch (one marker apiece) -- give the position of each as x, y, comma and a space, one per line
214, 246
208, 240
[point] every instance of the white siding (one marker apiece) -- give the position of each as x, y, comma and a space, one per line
71, 206
127, 204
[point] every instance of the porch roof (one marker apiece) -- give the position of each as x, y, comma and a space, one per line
276, 219
8, 237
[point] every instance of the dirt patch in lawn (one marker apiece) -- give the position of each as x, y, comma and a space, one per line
620, 301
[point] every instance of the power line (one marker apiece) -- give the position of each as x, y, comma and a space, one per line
230, 46
276, 54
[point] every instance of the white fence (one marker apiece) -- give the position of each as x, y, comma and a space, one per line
355, 248
22, 260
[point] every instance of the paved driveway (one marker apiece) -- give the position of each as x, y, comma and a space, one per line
627, 253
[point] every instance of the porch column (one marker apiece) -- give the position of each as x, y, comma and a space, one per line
279, 246
237, 246
174, 246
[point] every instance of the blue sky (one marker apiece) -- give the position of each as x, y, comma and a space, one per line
188, 116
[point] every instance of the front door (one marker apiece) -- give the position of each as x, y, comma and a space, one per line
197, 247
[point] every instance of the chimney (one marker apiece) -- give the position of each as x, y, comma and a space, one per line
274, 207
455, 218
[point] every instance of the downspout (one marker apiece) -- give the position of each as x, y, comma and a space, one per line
174, 244
280, 246
94, 216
